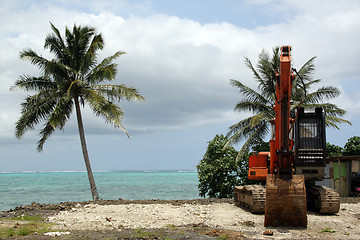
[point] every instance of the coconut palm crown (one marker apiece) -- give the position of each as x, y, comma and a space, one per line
70, 80
260, 103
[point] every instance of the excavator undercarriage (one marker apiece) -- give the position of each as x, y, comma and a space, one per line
319, 199
322, 199
251, 197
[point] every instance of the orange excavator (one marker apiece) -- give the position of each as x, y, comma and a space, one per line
295, 161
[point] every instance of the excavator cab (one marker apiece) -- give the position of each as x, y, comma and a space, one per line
310, 160
310, 144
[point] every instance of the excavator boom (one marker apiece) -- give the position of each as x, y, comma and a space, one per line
285, 192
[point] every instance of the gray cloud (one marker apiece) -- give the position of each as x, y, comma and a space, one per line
182, 67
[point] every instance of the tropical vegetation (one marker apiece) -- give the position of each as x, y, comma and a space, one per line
219, 172
260, 102
68, 81
333, 150
352, 147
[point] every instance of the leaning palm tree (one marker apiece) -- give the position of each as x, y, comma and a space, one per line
69, 80
260, 103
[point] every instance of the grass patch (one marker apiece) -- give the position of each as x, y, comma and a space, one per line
329, 230
171, 226
7, 232
26, 217
146, 234
24, 231
25, 225
224, 236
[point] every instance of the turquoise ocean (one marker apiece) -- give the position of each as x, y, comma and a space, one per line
22, 188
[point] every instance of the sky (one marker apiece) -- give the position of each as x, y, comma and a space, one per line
180, 55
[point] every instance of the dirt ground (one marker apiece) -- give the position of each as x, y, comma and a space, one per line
188, 219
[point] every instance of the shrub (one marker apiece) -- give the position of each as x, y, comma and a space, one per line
219, 172
352, 147
333, 150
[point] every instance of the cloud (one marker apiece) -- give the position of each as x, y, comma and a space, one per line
181, 66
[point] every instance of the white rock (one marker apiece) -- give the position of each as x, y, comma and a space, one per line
54, 234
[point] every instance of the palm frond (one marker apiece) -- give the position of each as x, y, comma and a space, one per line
60, 72
249, 65
30, 83
275, 61
235, 133
118, 92
257, 133
101, 106
45, 133
322, 93
333, 121
245, 128
331, 109
261, 118
35, 109
58, 35
106, 70
254, 107
89, 54
61, 113
55, 44
248, 93
307, 70
34, 58
267, 73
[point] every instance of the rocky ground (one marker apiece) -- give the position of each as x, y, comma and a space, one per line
180, 219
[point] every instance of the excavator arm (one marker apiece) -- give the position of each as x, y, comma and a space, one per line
285, 202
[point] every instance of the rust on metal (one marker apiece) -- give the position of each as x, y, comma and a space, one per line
251, 197
323, 200
285, 203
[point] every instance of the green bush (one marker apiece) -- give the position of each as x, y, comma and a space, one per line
219, 172
352, 147
333, 150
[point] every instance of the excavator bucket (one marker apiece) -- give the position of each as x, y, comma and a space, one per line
285, 203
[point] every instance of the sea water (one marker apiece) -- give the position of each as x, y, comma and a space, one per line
54, 187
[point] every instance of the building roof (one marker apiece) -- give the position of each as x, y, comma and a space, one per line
343, 158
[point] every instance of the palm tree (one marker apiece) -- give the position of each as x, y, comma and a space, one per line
71, 79
261, 102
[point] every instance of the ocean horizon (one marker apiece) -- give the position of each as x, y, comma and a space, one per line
53, 187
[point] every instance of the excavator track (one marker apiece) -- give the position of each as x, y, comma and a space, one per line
320, 199
323, 199
251, 197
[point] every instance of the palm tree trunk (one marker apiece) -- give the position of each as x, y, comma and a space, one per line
94, 191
